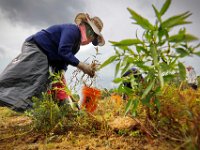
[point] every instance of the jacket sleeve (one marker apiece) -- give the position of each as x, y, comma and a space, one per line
68, 39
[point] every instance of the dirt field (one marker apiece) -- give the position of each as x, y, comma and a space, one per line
17, 134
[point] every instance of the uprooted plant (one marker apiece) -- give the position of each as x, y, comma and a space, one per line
85, 79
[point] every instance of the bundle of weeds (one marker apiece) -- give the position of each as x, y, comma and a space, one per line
179, 115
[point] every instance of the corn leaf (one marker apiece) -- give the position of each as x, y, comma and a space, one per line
143, 22
165, 7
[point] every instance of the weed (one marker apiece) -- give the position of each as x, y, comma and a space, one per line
47, 114
156, 53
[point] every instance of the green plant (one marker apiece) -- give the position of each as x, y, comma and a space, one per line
47, 114
58, 77
157, 55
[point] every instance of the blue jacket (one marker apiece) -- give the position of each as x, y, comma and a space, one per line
60, 43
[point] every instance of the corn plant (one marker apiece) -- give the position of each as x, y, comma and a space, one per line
156, 53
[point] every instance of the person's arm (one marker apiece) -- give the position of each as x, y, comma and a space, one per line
68, 39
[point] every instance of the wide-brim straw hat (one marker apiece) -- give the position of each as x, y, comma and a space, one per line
95, 23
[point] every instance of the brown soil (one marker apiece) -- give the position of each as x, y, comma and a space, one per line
17, 134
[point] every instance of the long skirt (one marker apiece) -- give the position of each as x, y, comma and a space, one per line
26, 76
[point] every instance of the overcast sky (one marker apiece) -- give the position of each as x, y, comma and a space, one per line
22, 18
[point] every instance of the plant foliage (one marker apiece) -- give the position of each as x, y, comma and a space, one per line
156, 54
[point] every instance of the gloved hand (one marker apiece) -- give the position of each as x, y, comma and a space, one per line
88, 69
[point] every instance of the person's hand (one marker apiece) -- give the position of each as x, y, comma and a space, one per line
88, 69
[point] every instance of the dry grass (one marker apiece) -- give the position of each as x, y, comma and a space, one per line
107, 128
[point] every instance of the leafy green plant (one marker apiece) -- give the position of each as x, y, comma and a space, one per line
57, 77
47, 113
156, 53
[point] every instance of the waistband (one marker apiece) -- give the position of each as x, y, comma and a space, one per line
30, 39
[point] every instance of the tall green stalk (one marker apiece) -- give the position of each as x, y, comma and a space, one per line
156, 54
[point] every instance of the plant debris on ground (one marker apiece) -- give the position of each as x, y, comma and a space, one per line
175, 127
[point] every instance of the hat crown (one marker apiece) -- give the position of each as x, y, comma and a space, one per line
97, 21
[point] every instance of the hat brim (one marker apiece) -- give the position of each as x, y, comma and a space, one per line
81, 17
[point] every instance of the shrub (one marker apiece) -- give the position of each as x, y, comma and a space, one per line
157, 55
